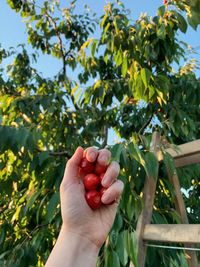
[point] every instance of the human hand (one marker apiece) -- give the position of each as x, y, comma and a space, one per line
78, 218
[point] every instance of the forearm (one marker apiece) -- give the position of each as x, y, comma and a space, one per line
72, 250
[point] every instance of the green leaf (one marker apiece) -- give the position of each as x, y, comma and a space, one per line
111, 259
121, 250
136, 153
161, 10
107, 27
118, 223
116, 151
139, 87
169, 163
103, 20
32, 199
5, 253
146, 76
131, 246
52, 206
118, 58
129, 207
43, 156
124, 158
93, 47
124, 66
194, 20
113, 238
151, 165
182, 24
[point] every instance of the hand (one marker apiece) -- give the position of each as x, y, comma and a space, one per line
78, 218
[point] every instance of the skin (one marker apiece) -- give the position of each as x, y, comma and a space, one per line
84, 230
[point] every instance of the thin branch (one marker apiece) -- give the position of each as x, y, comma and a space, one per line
59, 39
56, 154
60, 154
63, 53
146, 124
105, 141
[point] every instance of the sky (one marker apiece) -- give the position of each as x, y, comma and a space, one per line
13, 30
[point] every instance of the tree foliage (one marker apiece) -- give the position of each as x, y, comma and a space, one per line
130, 80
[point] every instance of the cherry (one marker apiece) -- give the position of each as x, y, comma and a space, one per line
86, 167
92, 174
91, 181
100, 168
93, 199
102, 191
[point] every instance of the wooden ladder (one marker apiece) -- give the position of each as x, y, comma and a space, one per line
188, 234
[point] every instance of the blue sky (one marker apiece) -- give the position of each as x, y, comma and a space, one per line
13, 31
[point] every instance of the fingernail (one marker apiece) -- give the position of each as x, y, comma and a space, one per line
104, 159
92, 156
106, 198
105, 181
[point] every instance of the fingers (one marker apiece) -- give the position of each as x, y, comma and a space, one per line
113, 192
72, 165
102, 156
111, 174
91, 154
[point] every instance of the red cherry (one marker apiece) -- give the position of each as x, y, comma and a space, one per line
165, 2
91, 181
93, 199
102, 191
86, 167
100, 168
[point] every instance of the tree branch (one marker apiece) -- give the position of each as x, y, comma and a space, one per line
56, 154
146, 124
60, 154
63, 53
105, 141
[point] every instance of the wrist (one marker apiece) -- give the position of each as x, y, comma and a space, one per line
79, 240
72, 249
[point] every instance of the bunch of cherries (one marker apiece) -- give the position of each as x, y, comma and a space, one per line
92, 174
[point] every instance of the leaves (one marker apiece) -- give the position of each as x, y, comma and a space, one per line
145, 75
131, 246
52, 207
169, 163
182, 23
151, 165
123, 86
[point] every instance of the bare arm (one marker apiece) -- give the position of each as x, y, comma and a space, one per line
72, 250
84, 230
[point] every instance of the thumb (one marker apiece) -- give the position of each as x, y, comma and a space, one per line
71, 169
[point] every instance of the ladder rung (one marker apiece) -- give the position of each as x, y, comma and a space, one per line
186, 154
178, 233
